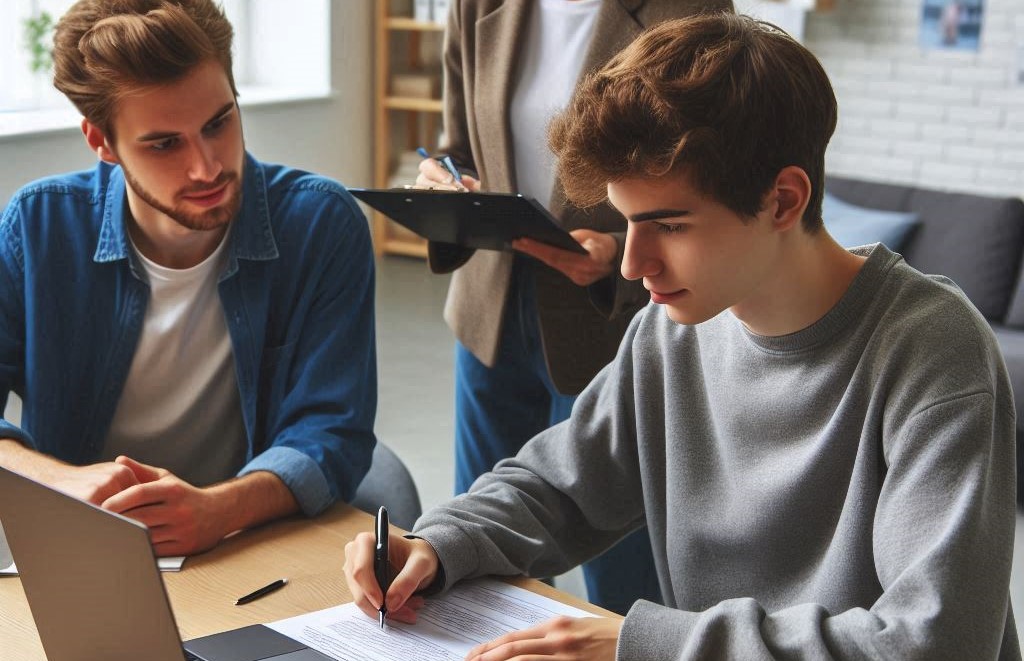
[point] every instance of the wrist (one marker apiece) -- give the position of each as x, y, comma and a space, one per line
436, 579
250, 500
15, 456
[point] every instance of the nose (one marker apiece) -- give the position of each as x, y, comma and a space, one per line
204, 166
639, 259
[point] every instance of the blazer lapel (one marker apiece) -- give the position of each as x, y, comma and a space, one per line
615, 29
496, 57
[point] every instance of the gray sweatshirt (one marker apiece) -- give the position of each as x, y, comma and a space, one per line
846, 491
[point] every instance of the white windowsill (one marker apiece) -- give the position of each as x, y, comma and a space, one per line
28, 123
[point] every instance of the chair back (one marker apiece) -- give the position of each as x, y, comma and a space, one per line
389, 483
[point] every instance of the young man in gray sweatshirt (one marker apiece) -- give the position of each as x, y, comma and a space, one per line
820, 440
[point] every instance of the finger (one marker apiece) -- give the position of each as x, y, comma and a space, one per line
405, 614
427, 184
126, 477
550, 255
432, 171
419, 569
140, 495
354, 587
169, 548
408, 612
601, 246
471, 183
164, 535
359, 573
539, 639
142, 472
519, 649
105, 481
152, 516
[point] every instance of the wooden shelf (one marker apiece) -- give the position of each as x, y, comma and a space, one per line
412, 43
405, 23
413, 103
407, 248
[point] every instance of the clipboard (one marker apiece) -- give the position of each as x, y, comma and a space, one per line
487, 221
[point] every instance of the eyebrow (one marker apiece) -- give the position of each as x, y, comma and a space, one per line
162, 135
658, 214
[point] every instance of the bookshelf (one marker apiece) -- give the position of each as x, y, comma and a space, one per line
407, 111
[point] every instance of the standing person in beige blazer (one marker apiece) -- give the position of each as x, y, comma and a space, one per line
535, 326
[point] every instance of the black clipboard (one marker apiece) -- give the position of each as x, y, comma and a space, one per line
488, 221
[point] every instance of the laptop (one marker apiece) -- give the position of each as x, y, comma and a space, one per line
94, 589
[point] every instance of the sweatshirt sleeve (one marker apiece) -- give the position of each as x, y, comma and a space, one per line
535, 514
944, 514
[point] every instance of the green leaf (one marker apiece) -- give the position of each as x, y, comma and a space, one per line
38, 40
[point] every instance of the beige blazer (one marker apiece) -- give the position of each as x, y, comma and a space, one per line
580, 327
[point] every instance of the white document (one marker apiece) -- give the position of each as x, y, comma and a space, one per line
171, 563
448, 625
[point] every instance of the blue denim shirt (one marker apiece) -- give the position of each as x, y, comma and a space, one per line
297, 294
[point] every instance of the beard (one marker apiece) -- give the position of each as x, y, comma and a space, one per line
203, 221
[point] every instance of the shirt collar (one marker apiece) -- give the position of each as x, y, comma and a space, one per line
252, 236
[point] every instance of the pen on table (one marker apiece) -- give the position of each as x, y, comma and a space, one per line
446, 161
381, 567
262, 592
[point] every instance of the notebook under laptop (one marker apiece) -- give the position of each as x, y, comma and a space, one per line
94, 589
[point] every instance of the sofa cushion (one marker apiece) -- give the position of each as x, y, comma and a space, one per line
1015, 315
851, 225
974, 240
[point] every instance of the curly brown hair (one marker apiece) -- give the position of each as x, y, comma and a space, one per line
727, 99
107, 49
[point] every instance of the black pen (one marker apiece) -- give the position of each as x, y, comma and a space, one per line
262, 592
381, 568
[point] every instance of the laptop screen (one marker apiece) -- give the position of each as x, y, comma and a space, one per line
89, 576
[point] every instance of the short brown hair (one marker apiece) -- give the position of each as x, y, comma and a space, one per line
106, 49
727, 99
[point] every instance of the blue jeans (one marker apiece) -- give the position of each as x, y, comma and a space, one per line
498, 409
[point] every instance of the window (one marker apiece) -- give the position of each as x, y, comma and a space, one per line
23, 89
270, 62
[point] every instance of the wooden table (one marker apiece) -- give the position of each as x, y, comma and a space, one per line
308, 552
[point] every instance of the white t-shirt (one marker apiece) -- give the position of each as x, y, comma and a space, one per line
553, 51
180, 408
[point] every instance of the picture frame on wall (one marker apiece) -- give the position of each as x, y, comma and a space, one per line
952, 24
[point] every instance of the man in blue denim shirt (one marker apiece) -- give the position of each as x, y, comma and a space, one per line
191, 330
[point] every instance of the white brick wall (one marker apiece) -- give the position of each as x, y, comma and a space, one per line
944, 119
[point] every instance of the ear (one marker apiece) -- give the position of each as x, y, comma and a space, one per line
97, 142
789, 196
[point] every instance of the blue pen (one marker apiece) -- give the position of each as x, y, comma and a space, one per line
446, 161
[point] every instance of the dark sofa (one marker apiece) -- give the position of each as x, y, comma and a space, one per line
975, 240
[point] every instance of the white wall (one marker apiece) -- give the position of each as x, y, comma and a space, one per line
943, 119
331, 136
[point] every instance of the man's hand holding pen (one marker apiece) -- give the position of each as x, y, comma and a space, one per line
416, 563
413, 564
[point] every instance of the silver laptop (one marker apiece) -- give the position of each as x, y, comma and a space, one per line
92, 583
